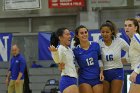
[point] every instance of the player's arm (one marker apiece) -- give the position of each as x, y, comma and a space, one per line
125, 59
137, 47
100, 63
137, 69
101, 68
56, 58
125, 47
135, 73
57, 55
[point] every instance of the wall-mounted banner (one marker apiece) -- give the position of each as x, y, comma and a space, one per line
44, 42
5, 46
100, 1
65, 3
107, 3
22, 4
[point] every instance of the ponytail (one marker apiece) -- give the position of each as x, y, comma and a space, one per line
114, 27
54, 40
77, 41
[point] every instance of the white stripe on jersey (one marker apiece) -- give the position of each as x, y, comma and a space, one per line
111, 55
137, 37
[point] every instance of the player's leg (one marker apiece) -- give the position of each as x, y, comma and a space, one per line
97, 85
68, 85
106, 87
85, 85
108, 75
85, 88
116, 86
117, 81
71, 89
135, 87
98, 88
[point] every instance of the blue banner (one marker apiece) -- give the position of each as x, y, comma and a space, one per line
5, 46
44, 42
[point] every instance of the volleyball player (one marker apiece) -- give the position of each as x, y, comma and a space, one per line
111, 47
88, 57
132, 30
68, 81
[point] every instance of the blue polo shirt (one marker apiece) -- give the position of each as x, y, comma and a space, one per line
17, 65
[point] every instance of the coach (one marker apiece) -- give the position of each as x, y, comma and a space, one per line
15, 76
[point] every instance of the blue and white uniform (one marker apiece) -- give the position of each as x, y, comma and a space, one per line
68, 74
134, 55
111, 58
88, 62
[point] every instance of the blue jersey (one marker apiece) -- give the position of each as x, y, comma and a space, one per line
17, 65
88, 61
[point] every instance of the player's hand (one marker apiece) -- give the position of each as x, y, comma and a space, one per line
101, 76
133, 76
61, 66
52, 48
78, 70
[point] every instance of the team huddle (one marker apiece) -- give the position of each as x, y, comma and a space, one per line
100, 64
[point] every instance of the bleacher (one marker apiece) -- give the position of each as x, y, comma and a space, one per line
3, 72
37, 76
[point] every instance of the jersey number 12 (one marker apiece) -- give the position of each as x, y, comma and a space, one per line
90, 61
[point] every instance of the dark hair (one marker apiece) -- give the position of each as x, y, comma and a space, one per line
77, 41
135, 22
112, 27
54, 39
